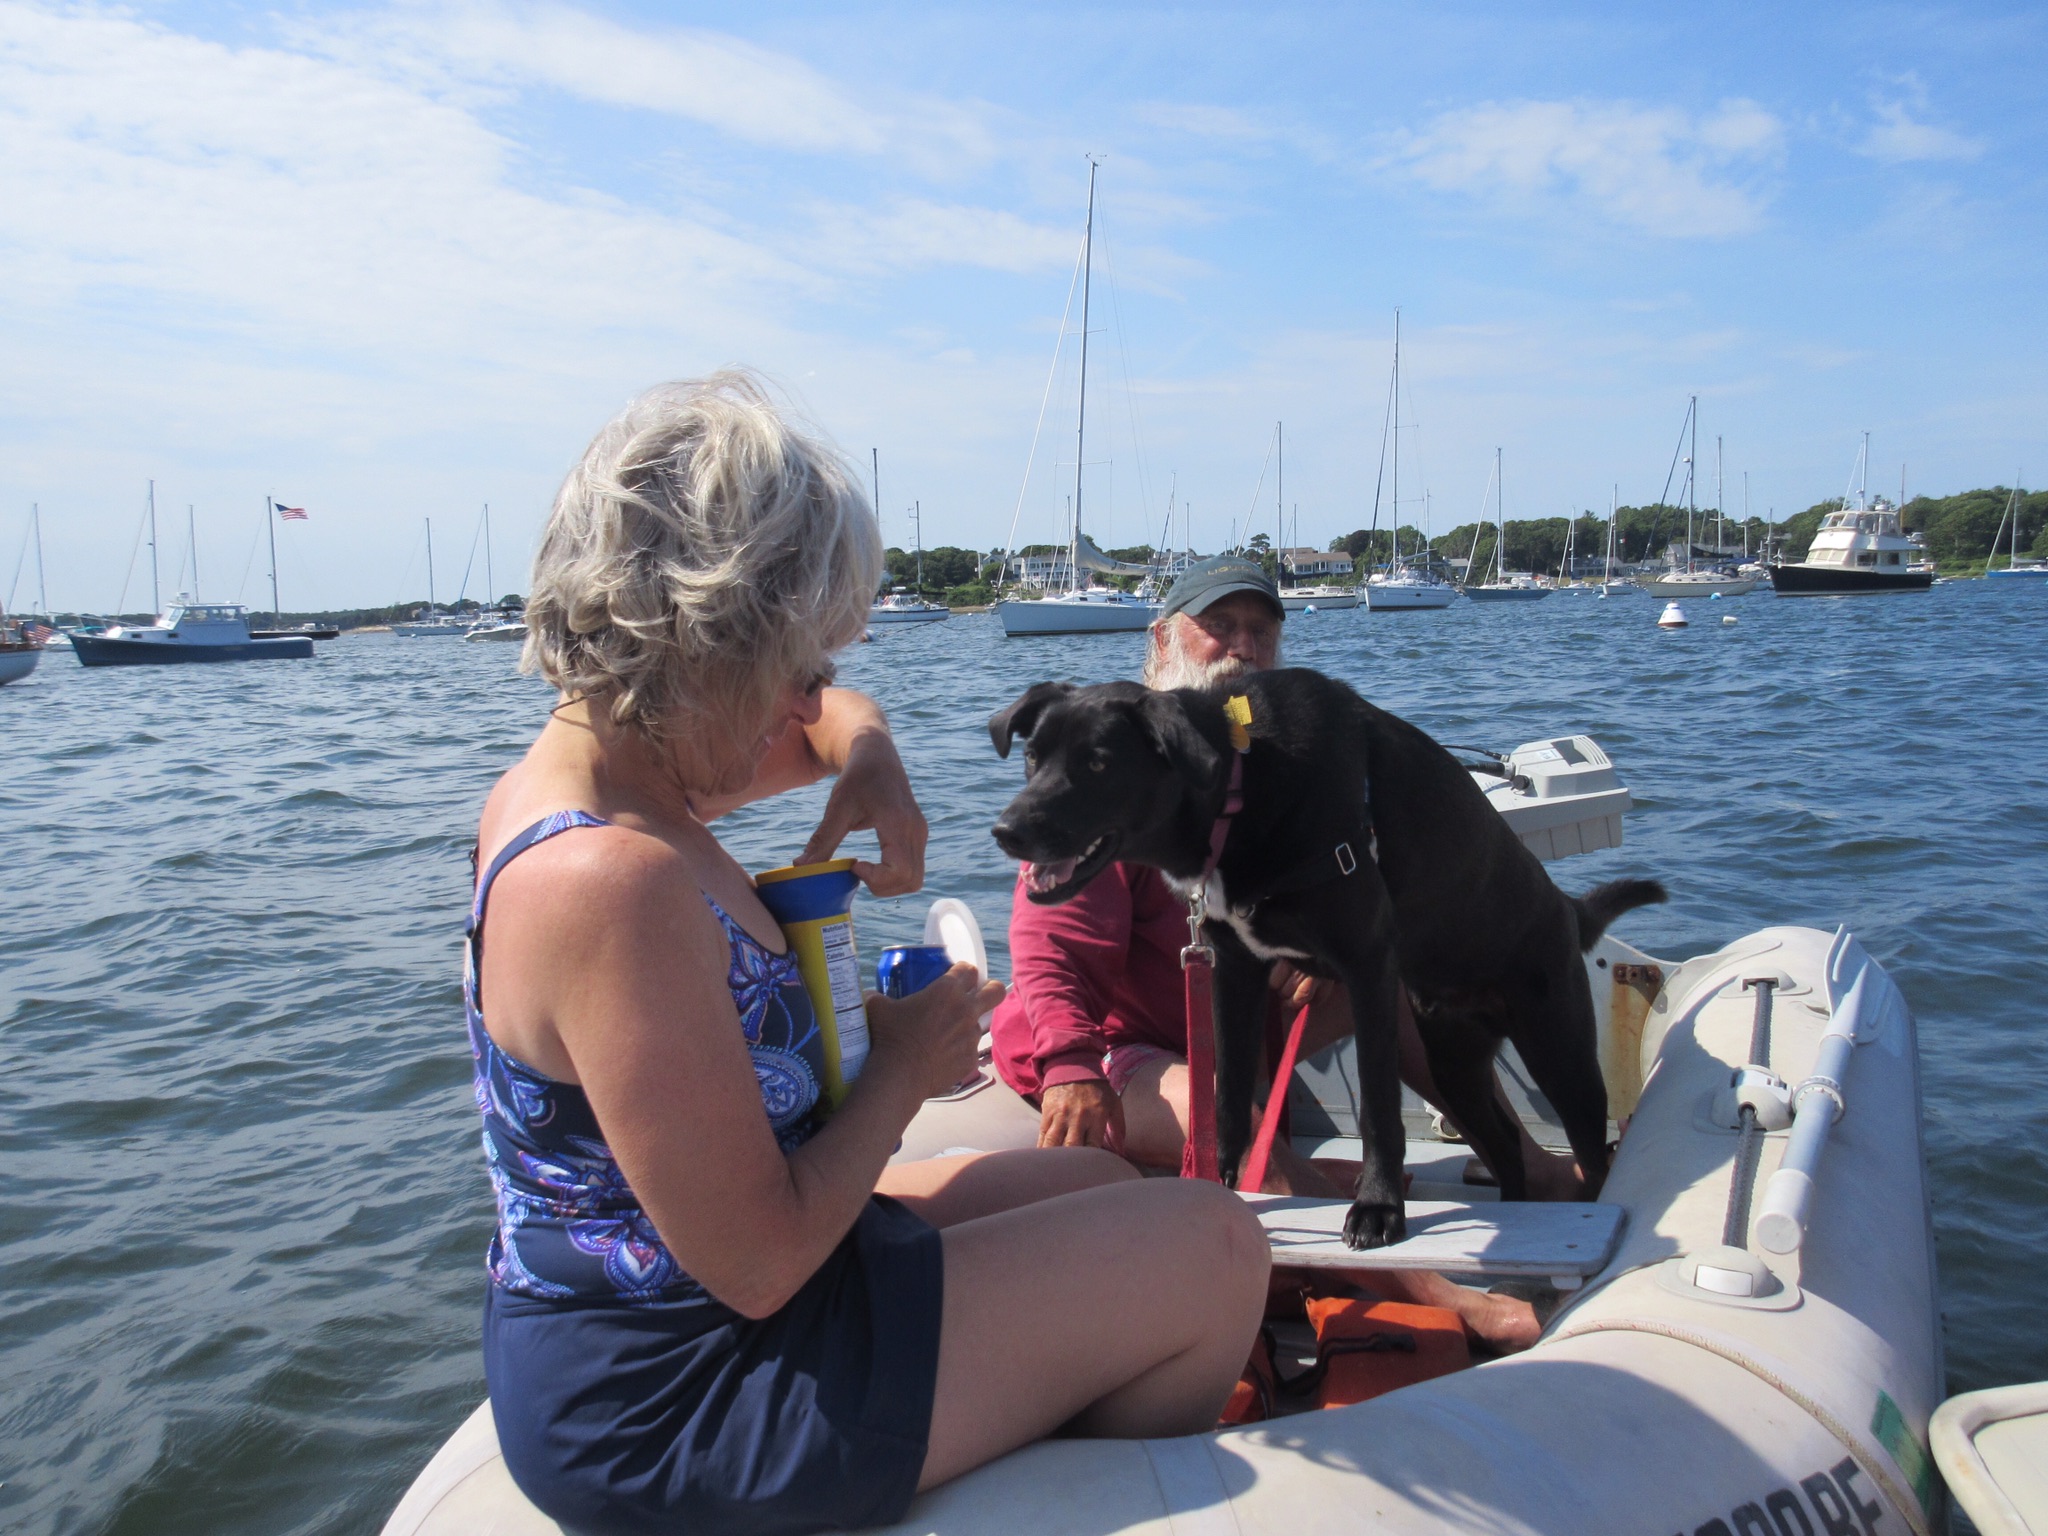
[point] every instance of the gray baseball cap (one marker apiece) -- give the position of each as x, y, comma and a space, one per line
1218, 577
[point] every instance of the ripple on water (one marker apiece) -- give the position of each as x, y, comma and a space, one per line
241, 1240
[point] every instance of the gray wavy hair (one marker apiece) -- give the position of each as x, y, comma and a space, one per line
704, 553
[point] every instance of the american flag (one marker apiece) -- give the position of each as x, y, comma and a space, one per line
289, 514
36, 634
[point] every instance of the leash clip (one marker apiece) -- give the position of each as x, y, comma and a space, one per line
1197, 952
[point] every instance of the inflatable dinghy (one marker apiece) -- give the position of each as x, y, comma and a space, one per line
1748, 1342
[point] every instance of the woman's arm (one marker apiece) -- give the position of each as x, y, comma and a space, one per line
611, 940
851, 739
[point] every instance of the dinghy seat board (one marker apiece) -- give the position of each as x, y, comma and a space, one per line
1560, 1242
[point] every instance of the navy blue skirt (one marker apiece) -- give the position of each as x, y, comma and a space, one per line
687, 1417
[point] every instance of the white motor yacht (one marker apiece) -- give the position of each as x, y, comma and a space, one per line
1858, 549
907, 608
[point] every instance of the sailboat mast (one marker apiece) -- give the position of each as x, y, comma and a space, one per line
917, 526
155, 597
430, 568
1394, 565
192, 543
1692, 466
1500, 520
35, 514
270, 523
1720, 536
1081, 416
490, 580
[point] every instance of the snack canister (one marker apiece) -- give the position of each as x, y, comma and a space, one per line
902, 969
813, 904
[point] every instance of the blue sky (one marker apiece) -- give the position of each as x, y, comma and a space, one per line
397, 261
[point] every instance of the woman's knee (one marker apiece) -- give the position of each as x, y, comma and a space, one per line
1224, 1225
1093, 1166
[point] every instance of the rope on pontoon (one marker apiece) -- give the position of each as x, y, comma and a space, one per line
1735, 1225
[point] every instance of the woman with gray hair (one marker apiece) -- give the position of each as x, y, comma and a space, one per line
711, 1308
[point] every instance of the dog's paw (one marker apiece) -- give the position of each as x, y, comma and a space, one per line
1374, 1226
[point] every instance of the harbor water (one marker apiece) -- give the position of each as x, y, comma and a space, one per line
243, 1224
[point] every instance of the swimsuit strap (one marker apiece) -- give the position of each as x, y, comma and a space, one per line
473, 931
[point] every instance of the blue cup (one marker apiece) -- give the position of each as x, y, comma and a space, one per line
902, 969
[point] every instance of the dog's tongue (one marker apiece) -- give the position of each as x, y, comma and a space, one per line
1047, 877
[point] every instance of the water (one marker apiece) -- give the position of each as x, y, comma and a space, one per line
242, 1228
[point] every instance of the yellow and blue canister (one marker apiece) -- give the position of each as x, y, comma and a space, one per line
813, 904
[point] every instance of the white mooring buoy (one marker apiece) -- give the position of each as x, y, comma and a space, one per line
1673, 617
1727, 618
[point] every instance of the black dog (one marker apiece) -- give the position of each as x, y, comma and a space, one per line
1363, 852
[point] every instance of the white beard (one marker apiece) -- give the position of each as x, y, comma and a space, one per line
1169, 665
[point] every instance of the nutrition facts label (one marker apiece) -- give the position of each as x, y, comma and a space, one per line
842, 965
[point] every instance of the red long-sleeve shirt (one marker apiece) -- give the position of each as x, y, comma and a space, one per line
1099, 970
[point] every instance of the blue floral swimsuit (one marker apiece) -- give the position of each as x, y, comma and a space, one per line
627, 1397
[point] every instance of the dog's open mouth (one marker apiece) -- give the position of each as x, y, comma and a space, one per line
1058, 879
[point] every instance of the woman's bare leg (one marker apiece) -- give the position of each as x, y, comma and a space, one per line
1123, 1310
946, 1191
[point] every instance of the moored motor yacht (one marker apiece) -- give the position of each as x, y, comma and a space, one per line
1858, 549
188, 631
906, 608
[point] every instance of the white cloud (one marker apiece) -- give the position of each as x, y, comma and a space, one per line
1656, 169
747, 92
1898, 136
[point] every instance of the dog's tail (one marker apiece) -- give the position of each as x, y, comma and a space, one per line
1604, 903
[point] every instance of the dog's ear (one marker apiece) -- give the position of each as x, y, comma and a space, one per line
1021, 717
1173, 736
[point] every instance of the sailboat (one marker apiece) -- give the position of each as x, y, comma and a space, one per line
900, 607
1402, 585
2023, 567
1507, 586
1082, 609
1689, 580
1323, 596
432, 623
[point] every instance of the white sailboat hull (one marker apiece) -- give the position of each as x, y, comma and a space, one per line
1092, 615
879, 615
1322, 599
1697, 584
1397, 596
15, 665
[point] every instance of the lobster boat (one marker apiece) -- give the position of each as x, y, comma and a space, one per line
1746, 1337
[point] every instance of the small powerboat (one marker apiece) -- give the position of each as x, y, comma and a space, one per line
907, 608
188, 631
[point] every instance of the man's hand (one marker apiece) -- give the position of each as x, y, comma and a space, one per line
873, 792
1081, 1114
1296, 989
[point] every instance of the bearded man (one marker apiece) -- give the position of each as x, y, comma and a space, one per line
1094, 1028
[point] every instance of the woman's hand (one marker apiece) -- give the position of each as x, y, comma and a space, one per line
872, 792
931, 1037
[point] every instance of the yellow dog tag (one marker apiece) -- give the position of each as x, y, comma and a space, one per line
1237, 709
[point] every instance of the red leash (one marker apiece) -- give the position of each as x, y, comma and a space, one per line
1198, 966
1276, 1103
